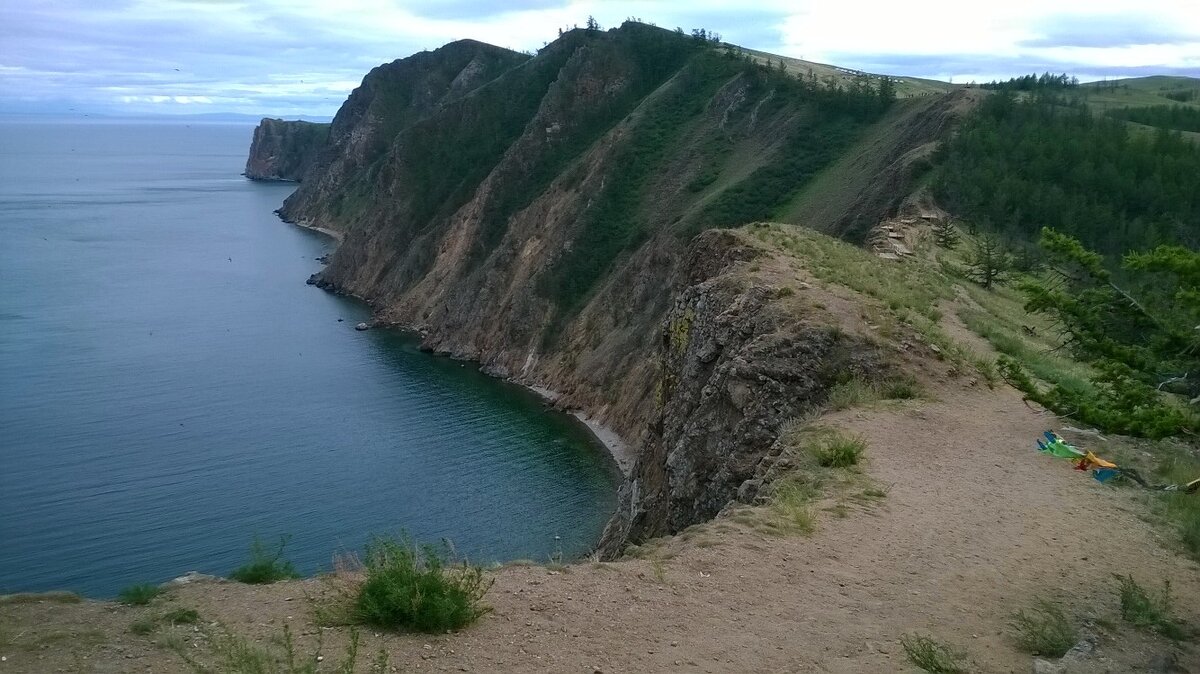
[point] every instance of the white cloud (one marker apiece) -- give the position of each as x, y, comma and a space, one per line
289, 56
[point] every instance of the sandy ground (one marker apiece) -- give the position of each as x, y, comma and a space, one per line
974, 526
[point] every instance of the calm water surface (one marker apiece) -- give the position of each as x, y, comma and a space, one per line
170, 387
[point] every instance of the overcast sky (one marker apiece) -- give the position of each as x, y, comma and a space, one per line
292, 57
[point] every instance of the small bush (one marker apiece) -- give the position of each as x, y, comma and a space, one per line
265, 566
1044, 630
1148, 611
837, 450
904, 388
931, 656
182, 616
412, 587
852, 393
139, 595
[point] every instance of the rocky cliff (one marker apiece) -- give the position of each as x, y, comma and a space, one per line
540, 215
284, 150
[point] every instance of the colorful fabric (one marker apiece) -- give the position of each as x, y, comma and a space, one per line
1102, 469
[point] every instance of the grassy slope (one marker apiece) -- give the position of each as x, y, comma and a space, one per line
829, 197
1138, 92
905, 86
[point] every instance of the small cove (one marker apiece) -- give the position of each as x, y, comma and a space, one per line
171, 387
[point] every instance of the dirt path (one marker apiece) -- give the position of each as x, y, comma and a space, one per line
975, 525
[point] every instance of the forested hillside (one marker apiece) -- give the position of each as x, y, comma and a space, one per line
1046, 160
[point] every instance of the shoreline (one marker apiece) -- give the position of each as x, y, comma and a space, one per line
335, 235
618, 450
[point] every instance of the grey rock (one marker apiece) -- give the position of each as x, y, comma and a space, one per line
1041, 666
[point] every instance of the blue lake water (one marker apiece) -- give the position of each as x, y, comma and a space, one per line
170, 387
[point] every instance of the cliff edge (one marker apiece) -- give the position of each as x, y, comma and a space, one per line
284, 150
556, 217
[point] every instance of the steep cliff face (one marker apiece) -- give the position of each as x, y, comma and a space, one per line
284, 150
535, 214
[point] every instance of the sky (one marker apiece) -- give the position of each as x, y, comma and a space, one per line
302, 57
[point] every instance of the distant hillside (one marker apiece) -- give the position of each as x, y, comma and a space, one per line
1044, 156
1141, 92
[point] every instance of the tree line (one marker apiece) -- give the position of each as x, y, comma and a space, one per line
1017, 166
1177, 117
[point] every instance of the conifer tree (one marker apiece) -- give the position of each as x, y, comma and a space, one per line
945, 234
1139, 335
990, 262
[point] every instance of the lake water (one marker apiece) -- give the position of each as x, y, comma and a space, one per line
170, 388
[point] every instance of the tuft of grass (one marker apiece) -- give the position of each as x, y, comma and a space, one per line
1181, 509
838, 450
1149, 611
791, 501
659, 569
144, 626
853, 392
182, 616
1044, 630
265, 566
930, 656
900, 388
139, 595
412, 587
178, 616
57, 597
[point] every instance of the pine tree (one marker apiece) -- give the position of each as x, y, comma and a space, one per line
1141, 340
592, 25
945, 234
989, 263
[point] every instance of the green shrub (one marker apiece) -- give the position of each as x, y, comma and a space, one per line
265, 566
139, 595
182, 616
900, 388
837, 450
414, 588
1044, 630
853, 392
931, 656
1148, 611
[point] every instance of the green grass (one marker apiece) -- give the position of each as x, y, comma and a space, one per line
1181, 510
234, 654
835, 449
57, 597
908, 293
265, 566
1044, 630
415, 588
139, 595
1149, 611
181, 616
858, 392
791, 505
1001, 320
930, 656
853, 392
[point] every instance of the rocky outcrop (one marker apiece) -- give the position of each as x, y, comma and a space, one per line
284, 150
734, 364
535, 214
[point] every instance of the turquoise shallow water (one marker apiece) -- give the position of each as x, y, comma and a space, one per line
170, 387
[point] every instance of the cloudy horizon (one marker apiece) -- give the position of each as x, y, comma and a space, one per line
302, 57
